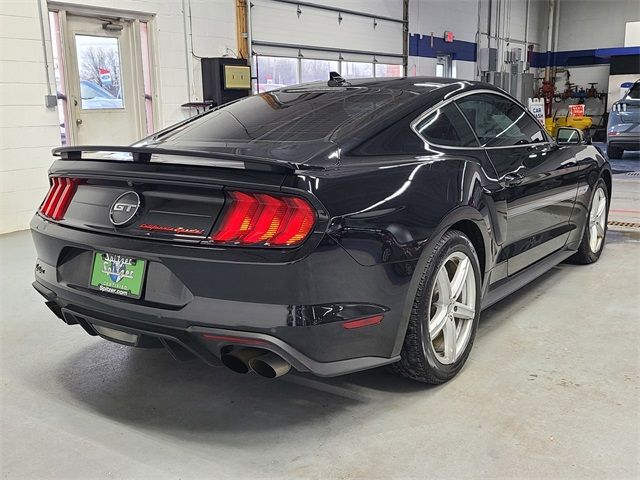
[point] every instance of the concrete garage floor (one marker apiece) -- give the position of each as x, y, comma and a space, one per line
551, 390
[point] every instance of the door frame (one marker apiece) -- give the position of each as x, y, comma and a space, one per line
446, 60
70, 67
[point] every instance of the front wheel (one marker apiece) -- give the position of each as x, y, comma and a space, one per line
445, 313
595, 229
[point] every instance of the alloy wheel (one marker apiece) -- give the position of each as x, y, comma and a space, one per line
597, 220
452, 308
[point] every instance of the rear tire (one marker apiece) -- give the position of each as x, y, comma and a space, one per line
614, 152
595, 230
445, 313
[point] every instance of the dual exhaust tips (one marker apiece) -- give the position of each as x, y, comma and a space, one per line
264, 363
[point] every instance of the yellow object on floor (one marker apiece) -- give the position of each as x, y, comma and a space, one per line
581, 123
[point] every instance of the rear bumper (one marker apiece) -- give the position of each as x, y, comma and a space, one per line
293, 309
208, 343
627, 142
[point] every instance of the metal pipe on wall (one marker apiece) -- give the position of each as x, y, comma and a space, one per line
489, 23
477, 75
44, 47
526, 36
550, 29
187, 51
405, 38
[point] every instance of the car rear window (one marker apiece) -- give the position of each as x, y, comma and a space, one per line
634, 91
290, 115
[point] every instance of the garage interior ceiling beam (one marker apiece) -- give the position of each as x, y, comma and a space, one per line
343, 10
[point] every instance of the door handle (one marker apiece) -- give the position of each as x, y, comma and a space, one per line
78, 121
512, 179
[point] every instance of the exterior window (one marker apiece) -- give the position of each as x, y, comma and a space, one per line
357, 70
499, 122
386, 70
317, 70
447, 127
99, 68
275, 72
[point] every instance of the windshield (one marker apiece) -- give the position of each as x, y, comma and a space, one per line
289, 115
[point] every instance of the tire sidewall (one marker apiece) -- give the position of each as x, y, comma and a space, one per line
457, 242
596, 255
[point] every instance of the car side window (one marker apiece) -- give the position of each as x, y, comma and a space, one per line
500, 122
397, 139
446, 126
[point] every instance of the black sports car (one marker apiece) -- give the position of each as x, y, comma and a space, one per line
330, 227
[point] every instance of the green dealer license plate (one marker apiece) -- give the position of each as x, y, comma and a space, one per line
117, 274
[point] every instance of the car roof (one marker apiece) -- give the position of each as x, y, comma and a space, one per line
416, 84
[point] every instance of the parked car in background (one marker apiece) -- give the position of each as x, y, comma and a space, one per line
95, 97
623, 128
330, 227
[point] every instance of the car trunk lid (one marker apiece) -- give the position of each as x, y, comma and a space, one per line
170, 195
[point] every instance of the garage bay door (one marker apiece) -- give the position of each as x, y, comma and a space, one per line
296, 42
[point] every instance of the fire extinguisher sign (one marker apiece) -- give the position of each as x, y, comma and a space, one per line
536, 107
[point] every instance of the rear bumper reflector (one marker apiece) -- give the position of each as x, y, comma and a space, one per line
362, 322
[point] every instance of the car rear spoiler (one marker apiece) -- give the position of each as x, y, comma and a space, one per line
218, 159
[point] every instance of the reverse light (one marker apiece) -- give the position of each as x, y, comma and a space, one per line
262, 219
59, 197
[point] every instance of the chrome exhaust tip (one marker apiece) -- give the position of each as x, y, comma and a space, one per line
238, 360
269, 365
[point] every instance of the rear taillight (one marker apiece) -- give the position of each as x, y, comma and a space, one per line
262, 219
59, 197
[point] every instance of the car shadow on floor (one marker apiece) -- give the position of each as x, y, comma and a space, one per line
151, 390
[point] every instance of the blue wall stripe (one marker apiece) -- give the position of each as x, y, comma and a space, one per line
576, 58
420, 46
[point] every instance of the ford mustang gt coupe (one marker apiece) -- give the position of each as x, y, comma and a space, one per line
329, 227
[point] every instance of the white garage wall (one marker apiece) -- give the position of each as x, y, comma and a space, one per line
592, 24
28, 130
463, 17
426, 16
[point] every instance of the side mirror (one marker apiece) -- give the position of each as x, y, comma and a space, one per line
569, 136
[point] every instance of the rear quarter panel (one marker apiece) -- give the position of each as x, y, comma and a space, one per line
387, 210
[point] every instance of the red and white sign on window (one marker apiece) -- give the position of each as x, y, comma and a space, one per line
576, 110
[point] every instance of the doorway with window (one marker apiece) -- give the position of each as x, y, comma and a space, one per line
103, 78
444, 66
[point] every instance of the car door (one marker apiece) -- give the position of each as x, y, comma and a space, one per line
538, 180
